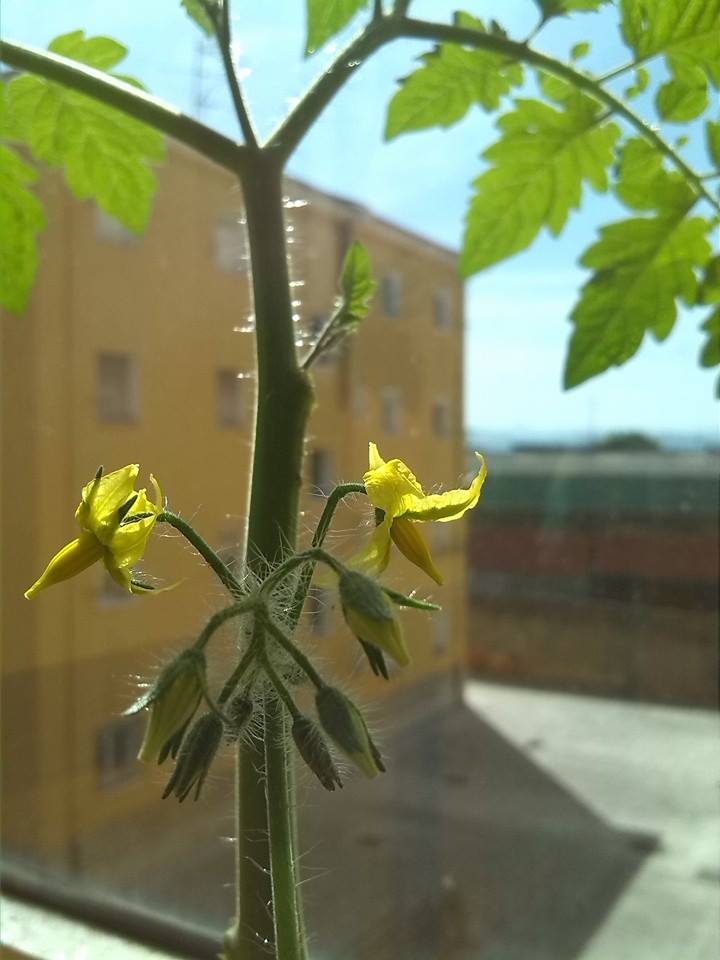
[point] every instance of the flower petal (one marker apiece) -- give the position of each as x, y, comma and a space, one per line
73, 558
129, 540
375, 460
450, 505
410, 541
393, 488
375, 555
102, 498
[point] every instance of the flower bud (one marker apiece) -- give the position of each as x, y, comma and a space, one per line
196, 755
173, 699
344, 724
371, 616
239, 712
314, 751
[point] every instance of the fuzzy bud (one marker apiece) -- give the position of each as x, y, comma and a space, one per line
239, 713
314, 751
196, 755
344, 724
371, 616
173, 699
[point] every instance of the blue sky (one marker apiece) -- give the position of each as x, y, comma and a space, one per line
517, 327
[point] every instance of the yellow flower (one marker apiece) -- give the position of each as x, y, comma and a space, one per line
402, 504
115, 523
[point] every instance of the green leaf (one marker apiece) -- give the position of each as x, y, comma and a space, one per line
451, 79
539, 166
198, 12
325, 18
561, 8
642, 78
579, 50
681, 30
644, 184
712, 138
357, 285
21, 219
641, 267
99, 52
684, 97
709, 291
105, 154
710, 356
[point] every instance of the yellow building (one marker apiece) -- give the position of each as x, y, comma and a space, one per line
141, 350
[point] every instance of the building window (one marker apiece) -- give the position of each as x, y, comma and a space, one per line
117, 388
117, 746
442, 309
441, 418
360, 401
231, 249
108, 228
391, 291
322, 471
230, 397
391, 411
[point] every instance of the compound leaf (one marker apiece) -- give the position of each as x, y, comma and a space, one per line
105, 154
642, 266
325, 18
644, 184
357, 284
712, 138
451, 79
198, 12
539, 166
710, 355
21, 219
685, 96
681, 30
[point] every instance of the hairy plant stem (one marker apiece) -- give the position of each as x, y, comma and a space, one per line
265, 802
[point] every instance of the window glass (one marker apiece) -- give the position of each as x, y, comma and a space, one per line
231, 399
391, 292
117, 388
551, 748
442, 308
391, 411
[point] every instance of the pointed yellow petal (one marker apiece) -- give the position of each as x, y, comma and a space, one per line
450, 505
101, 500
392, 488
375, 555
408, 539
129, 540
375, 459
72, 559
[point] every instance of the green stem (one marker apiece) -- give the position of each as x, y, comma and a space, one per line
282, 690
132, 101
205, 551
238, 673
297, 655
284, 399
280, 802
224, 38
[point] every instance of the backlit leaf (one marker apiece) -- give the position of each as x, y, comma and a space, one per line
539, 166
325, 18
644, 184
357, 283
560, 8
105, 154
642, 266
681, 30
452, 78
712, 138
198, 12
710, 356
685, 96
21, 219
